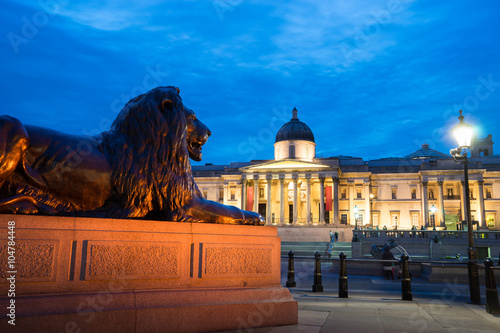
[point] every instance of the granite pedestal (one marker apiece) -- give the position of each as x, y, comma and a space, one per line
89, 275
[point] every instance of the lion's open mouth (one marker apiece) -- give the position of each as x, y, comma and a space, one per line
195, 148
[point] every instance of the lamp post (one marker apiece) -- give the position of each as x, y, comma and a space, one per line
433, 210
355, 209
463, 135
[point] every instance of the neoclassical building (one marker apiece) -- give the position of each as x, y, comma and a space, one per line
424, 188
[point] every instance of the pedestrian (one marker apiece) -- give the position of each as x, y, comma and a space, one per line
336, 236
388, 266
331, 235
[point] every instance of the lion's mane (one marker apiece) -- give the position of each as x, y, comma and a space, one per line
147, 150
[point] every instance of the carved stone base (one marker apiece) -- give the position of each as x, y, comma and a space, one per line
142, 276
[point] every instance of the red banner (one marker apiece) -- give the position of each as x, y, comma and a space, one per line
250, 198
328, 193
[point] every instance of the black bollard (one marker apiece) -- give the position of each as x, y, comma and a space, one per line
498, 258
290, 282
343, 276
491, 288
405, 279
317, 287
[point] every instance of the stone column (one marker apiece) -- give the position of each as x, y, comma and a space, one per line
368, 213
308, 199
256, 193
426, 204
243, 183
336, 200
282, 199
321, 199
441, 205
295, 178
350, 188
480, 197
269, 179
226, 196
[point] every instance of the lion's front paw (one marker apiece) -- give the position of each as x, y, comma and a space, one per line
23, 207
253, 218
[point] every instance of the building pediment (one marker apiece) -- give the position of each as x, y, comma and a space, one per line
286, 165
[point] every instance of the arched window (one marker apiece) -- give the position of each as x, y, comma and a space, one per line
481, 153
291, 151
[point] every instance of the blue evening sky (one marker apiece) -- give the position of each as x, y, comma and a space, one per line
371, 78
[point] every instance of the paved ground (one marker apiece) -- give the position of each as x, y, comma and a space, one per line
375, 305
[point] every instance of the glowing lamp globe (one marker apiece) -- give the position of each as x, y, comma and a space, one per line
463, 133
433, 209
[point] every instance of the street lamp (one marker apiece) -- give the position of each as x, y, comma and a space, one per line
433, 211
463, 135
355, 209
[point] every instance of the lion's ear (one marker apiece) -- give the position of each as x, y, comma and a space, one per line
167, 104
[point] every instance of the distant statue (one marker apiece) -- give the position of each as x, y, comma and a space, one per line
138, 169
377, 251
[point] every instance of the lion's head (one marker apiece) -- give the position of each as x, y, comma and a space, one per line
197, 135
151, 116
149, 146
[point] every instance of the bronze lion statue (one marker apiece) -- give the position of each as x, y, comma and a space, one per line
139, 169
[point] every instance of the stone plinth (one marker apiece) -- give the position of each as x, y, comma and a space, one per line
142, 276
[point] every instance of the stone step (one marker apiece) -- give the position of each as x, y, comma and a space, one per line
304, 249
308, 249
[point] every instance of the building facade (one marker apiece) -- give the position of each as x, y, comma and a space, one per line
424, 188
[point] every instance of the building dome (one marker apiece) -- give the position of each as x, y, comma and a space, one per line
294, 130
294, 140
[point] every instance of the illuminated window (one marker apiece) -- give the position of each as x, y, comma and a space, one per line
414, 219
450, 193
233, 194
488, 193
490, 220
205, 194
358, 193
395, 220
221, 195
343, 218
393, 193
414, 194
359, 220
344, 194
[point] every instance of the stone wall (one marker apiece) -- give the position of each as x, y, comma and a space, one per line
180, 271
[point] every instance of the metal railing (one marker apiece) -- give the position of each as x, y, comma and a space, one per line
492, 303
